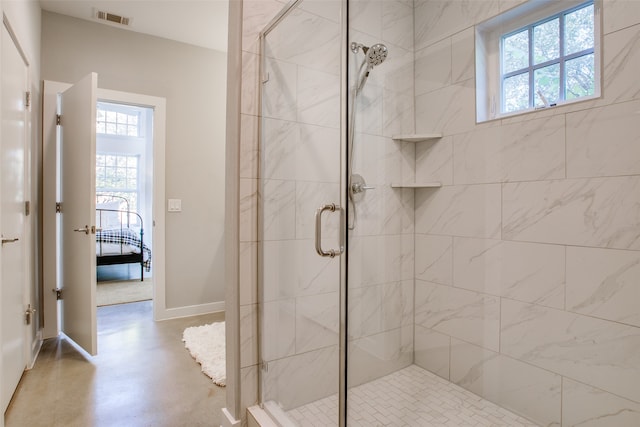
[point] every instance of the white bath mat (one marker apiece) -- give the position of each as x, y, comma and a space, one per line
207, 345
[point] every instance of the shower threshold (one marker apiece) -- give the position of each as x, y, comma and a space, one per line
412, 397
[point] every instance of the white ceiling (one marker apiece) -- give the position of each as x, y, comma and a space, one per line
197, 22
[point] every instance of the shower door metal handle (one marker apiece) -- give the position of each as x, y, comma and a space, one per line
331, 253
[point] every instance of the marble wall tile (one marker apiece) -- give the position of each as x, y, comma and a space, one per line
279, 96
280, 140
596, 352
397, 23
434, 161
248, 220
365, 311
434, 258
249, 90
397, 307
600, 212
533, 150
587, 406
248, 274
378, 159
529, 391
619, 14
249, 142
433, 67
278, 332
317, 155
375, 260
318, 95
366, 16
287, 380
621, 55
600, 141
368, 114
449, 110
469, 211
293, 268
329, 9
249, 388
385, 211
604, 283
462, 314
248, 335
432, 351
436, 19
378, 355
526, 272
279, 210
463, 55
256, 14
398, 113
307, 40
397, 71
317, 320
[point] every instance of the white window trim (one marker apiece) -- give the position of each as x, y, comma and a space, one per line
488, 45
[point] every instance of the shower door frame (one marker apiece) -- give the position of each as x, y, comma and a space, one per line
344, 179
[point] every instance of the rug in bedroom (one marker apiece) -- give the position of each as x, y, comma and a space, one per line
207, 346
110, 293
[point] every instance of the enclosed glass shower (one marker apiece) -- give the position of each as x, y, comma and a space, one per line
416, 267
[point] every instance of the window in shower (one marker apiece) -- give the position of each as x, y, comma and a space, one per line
538, 58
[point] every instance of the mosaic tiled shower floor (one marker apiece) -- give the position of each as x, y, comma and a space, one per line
410, 397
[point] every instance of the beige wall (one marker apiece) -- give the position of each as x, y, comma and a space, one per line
193, 81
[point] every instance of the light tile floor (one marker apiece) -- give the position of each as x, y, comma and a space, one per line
410, 397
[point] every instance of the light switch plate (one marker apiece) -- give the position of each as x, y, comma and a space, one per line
175, 205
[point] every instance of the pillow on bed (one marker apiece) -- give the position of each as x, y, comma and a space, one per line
107, 219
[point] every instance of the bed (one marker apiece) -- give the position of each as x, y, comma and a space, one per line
120, 234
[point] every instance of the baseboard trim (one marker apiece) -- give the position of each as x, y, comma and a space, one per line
191, 310
36, 346
228, 420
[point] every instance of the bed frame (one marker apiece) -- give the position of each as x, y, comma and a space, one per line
123, 257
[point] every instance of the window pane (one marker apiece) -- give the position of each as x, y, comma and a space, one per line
579, 30
546, 82
100, 128
546, 41
111, 128
132, 130
110, 160
132, 161
122, 129
100, 115
111, 116
122, 118
580, 78
515, 55
516, 92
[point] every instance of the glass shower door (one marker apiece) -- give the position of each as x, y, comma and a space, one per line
301, 173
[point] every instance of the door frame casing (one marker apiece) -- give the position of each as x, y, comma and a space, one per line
51, 269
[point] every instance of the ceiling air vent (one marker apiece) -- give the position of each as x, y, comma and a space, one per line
110, 17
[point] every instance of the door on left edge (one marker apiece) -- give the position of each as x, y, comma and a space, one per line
13, 192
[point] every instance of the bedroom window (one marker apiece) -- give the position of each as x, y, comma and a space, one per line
118, 175
537, 55
114, 122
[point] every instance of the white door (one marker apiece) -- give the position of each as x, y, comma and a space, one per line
12, 213
78, 198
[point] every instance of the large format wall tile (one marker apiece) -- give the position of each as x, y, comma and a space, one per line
287, 380
256, 14
604, 283
318, 97
528, 272
397, 23
433, 259
433, 67
532, 150
279, 209
529, 391
374, 260
620, 14
279, 96
621, 55
434, 161
599, 142
317, 320
449, 110
600, 212
469, 211
279, 318
597, 352
462, 314
463, 55
431, 351
586, 406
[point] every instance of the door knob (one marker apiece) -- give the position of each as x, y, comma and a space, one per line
84, 230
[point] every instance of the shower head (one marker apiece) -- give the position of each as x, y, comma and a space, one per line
376, 54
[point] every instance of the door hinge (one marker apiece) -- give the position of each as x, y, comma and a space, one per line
265, 366
27, 99
58, 119
58, 292
58, 207
27, 208
28, 314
